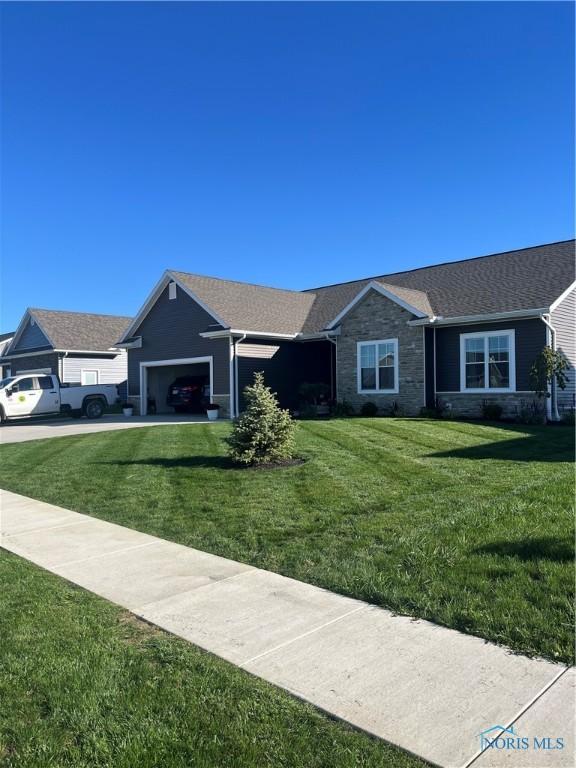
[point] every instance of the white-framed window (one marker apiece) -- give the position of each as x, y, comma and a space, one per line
377, 363
488, 361
88, 376
171, 290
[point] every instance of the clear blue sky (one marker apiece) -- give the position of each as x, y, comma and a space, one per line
288, 144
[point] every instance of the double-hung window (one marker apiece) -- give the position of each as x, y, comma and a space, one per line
487, 362
377, 366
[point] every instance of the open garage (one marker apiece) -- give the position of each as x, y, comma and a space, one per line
159, 380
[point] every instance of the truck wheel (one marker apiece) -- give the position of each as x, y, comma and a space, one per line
94, 409
2, 415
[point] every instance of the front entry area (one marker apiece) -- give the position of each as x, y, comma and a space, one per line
176, 386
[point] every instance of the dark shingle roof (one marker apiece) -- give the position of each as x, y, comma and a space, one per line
530, 278
80, 330
251, 307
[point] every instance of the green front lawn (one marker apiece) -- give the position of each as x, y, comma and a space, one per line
469, 525
83, 684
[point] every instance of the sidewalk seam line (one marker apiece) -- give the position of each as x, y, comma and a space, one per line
104, 554
523, 711
304, 634
144, 606
48, 527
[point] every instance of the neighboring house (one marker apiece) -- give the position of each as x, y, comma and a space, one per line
76, 346
464, 332
5, 339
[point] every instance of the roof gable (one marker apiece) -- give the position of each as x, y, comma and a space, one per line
415, 302
69, 331
29, 335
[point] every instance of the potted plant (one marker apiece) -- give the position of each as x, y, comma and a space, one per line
212, 411
127, 408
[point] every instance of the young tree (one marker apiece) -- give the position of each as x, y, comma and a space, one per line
264, 433
548, 366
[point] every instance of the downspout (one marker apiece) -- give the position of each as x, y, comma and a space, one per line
61, 357
333, 369
551, 342
236, 394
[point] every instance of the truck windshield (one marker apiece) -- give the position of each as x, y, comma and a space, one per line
5, 382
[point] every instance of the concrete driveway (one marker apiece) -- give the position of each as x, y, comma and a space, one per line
40, 429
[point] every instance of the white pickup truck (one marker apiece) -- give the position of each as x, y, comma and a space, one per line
36, 394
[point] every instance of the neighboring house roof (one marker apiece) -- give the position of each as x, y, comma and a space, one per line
5, 339
74, 331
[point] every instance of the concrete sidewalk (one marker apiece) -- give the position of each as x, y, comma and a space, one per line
427, 689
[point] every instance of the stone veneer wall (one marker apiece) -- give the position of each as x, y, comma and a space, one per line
224, 402
469, 405
377, 317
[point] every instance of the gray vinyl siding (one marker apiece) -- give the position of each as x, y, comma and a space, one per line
170, 331
286, 365
564, 321
112, 369
31, 338
530, 338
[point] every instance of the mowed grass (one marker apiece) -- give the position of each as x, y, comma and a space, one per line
467, 524
84, 684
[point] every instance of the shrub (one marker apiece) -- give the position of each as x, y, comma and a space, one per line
569, 418
491, 411
531, 413
342, 410
550, 365
437, 412
394, 410
369, 409
264, 433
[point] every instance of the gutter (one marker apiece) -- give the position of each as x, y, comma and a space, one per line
551, 333
464, 319
257, 334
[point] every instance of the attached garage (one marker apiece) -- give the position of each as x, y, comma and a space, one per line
158, 376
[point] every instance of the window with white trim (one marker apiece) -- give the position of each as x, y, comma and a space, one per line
88, 377
377, 363
171, 291
487, 362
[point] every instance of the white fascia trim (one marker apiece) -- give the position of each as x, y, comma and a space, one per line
166, 278
174, 361
236, 332
27, 316
374, 286
360, 391
562, 296
110, 351
511, 333
464, 319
